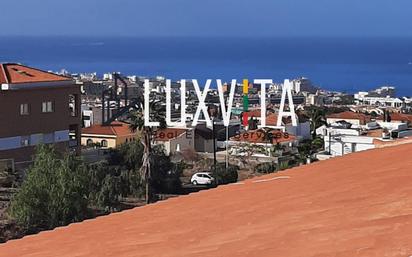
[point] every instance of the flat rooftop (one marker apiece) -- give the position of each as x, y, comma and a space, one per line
356, 205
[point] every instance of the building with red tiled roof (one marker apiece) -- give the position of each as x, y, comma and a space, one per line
356, 205
302, 130
254, 113
36, 107
262, 136
398, 118
12, 73
348, 116
108, 136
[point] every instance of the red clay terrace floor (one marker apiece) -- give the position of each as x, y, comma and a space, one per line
357, 205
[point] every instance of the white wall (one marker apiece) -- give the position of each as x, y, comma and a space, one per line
348, 144
393, 125
185, 141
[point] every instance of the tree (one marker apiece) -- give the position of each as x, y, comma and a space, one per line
225, 175
245, 151
53, 194
317, 118
128, 155
308, 147
165, 174
137, 124
105, 185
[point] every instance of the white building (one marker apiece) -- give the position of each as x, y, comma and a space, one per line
339, 141
384, 91
361, 99
303, 85
314, 99
383, 97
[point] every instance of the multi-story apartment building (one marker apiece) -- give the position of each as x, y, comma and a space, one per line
37, 107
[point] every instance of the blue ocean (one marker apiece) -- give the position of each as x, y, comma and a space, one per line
344, 64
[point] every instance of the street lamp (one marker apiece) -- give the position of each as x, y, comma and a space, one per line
212, 113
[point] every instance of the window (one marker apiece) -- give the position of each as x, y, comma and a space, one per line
89, 142
47, 106
73, 135
24, 109
72, 105
104, 143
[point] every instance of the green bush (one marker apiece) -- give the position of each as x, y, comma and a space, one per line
266, 168
105, 185
53, 194
223, 175
108, 195
165, 174
131, 184
129, 155
283, 165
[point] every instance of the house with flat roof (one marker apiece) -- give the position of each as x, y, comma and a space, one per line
37, 107
343, 138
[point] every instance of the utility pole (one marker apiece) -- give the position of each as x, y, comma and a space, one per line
330, 139
214, 144
227, 142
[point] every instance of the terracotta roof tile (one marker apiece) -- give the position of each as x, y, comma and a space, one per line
259, 136
350, 115
3, 77
407, 118
356, 205
254, 113
347, 115
272, 119
17, 74
116, 128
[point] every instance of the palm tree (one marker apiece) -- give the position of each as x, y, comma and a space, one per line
137, 124
317, 119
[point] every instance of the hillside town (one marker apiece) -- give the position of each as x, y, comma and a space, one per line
346, 123
94, 118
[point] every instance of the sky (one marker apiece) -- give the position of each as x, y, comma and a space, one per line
207, 18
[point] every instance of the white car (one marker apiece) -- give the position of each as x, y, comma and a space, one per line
202, 178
